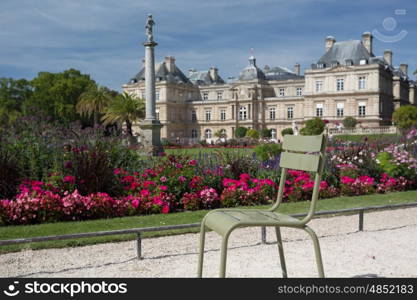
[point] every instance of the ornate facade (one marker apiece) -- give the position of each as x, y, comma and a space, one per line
348, 80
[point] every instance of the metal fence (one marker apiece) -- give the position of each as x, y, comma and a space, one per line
138, 231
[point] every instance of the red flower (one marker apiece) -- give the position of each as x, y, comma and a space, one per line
69, 179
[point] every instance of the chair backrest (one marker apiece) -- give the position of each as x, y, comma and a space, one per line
304, 153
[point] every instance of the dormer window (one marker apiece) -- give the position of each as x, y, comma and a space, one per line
320, 66
349, 62
335, 64
363, 61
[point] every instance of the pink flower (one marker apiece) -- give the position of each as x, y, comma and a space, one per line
244, 176
163, 187
347, 180
163, 179
135, 203
192, 162
165, 209
116, 171
182, 179
145, 193
69, 179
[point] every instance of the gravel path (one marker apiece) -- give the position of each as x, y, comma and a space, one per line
387, 248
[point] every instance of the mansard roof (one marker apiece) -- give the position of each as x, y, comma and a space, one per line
280, 73
340, 52
162, 74
204, 78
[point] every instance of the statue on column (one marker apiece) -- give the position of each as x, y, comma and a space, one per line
149, 23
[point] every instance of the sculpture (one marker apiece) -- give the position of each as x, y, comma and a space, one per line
149, 23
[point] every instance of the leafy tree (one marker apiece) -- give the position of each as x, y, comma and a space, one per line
57, 94
253, 133
124, 108
13, 94
313, 127
94, 102
287, 131
267, 151
266, 133
240, 132
349, 122
405, 117
219, 134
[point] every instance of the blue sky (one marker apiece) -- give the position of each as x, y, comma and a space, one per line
104, 38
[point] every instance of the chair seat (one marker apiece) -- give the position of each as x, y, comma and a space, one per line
223, 220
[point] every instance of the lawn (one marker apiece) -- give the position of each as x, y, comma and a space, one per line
370, 137
195, 152
23, 231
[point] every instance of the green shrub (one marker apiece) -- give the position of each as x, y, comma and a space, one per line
287, 131
349, 122
266, 133
405, 117
267, 151
313, 127
253, 133
240, 132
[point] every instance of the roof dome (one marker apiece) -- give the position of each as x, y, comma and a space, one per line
252, 72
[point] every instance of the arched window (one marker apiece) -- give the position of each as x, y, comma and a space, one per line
243, 114
207, 133
194, 133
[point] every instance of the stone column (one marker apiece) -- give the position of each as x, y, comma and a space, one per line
150, 127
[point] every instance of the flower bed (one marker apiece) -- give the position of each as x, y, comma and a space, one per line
88, 180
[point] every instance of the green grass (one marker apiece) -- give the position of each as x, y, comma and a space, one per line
197, 151
360, 138
13, 232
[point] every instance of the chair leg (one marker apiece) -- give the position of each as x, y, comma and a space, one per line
281, 252
317, 252
223, 256
201, 251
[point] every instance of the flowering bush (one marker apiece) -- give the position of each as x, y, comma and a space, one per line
362, 185
247, 191
172, 183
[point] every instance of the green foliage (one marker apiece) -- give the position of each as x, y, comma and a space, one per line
405, 117
94, 102
57, 94
287, 131
313, 127
240, 132
266, 133
384, 159
253, 133
267, 151
124, 108
349, 122
13, 93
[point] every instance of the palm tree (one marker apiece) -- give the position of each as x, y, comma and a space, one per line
124, 108
94, 102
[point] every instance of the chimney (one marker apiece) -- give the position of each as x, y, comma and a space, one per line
214, 73
170, 63
330, 40
297, 69
388, 57
404, 69
367, 41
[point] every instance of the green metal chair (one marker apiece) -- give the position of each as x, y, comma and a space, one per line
299, 153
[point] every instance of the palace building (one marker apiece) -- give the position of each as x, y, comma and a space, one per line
347, 80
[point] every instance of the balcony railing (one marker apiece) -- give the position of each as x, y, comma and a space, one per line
364, 130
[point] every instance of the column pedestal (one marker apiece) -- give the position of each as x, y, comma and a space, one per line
151, 133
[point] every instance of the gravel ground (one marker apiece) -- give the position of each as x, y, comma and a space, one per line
386, 248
